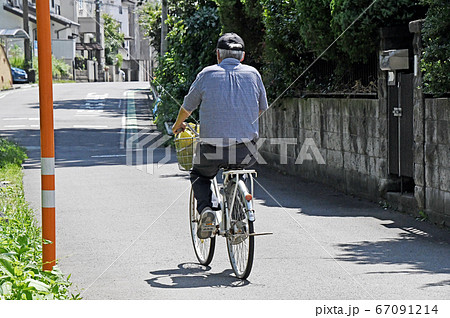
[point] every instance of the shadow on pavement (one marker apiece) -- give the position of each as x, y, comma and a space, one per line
184, 175
81, 147
276, 189
86, 146
421, 246
399, 251
106, 106
191, 275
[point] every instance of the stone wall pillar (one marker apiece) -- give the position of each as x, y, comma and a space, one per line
418, 118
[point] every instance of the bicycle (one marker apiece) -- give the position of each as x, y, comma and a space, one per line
235, 219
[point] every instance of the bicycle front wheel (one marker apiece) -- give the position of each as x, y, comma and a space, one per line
204, 248
240, 242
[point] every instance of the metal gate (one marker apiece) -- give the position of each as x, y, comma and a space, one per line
401, 141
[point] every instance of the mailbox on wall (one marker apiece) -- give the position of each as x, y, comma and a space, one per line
392, 61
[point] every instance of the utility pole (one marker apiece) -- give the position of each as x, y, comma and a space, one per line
98, 36
163, 27
27, 43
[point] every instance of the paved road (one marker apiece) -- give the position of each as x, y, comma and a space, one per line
122, 230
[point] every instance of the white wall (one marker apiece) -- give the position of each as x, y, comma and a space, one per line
86, 8
69, 9
112, 7
63, 49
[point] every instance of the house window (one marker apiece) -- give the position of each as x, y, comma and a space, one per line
120, 10
53, 3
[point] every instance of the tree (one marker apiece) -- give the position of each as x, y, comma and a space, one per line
150, 21
245, 18
436, 39
114, 38
194, 28
284, 50
314, 25
359, 43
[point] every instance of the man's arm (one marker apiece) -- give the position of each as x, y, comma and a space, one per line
183, 114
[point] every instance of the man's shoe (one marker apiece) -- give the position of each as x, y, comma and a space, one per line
207, 224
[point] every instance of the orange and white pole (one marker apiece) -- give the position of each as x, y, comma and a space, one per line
47, 135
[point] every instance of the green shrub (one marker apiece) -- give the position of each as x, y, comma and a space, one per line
119, 60
436, 40
18, 62
283, 38
314, 25
194, 30
149, 17
16, 57
284, 58
60, 68
21, 275
360, 42
11, 153
245, 18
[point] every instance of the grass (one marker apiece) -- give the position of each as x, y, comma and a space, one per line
21, 274
59, 81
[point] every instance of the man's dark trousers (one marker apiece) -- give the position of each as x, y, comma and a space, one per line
209, 159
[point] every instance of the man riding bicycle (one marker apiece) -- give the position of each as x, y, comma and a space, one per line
231, 96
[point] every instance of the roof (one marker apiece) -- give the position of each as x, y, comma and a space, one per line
14, 33
32, 16
88, 46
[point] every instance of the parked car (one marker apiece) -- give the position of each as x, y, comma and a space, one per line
19, 75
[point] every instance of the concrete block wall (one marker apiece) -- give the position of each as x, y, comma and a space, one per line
350, 134
436, 181
352, 138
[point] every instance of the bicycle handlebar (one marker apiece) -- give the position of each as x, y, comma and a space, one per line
170, 132
188, 127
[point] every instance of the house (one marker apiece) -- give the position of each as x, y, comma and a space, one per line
136, 49
75, 31
64, 30
141, 51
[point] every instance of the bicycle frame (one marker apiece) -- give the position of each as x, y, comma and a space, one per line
224, 218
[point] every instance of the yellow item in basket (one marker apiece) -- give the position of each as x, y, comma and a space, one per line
185, 144
184, 136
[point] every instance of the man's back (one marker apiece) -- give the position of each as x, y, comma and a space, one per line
230, 95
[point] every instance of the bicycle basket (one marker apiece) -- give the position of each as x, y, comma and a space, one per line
185, 143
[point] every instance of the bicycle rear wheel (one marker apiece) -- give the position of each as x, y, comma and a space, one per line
240, 244
204, 248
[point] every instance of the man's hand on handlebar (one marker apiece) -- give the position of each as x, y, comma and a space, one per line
177, 128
